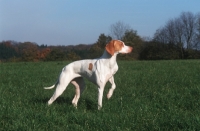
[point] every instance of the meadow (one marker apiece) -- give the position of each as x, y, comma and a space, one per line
150, 95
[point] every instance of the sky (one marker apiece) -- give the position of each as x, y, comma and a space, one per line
72, 22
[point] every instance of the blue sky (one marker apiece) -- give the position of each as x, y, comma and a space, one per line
67, 22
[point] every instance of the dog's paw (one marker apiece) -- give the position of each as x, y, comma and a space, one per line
75, 105
109, 95
99, 107
49, 102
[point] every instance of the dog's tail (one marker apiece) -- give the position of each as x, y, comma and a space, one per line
51, 87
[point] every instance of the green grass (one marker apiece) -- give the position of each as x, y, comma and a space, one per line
150, 95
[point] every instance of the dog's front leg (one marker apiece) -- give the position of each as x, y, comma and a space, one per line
113, 86
100, 96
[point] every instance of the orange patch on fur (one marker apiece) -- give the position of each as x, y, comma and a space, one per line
110, 47
90, 66
118, 45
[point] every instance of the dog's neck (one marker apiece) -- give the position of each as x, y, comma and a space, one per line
106, 55
108, 58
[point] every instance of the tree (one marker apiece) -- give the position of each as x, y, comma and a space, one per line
103, 40
97, 48
158, 51
178, 29
197, 35
56, 55
28, 51
175, 34
118, 30
7, 51
180, 32
171, 33
73, 56
132, 39
188, 19
42, 53
160, 35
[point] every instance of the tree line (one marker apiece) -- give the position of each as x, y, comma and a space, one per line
179, 38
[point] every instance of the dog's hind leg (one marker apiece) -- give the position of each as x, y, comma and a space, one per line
79, 87
61, 86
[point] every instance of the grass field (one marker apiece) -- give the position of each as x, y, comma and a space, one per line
150, 95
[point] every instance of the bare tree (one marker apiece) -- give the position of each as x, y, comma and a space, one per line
171, 31
188, 20
118, 30
180, 31
197, 40
160, 35
179, 35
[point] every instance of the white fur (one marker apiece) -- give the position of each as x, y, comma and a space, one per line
102, 71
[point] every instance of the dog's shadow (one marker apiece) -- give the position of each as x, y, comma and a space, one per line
59, 100
87, 103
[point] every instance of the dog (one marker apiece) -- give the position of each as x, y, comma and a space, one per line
99, 71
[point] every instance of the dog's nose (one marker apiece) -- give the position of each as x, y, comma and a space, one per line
130, 49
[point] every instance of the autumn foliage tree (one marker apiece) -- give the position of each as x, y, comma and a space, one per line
43, 53
28, 51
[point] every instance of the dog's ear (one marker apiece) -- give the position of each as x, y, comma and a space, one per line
118, 45
110, 47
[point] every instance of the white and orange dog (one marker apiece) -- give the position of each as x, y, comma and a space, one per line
98, 71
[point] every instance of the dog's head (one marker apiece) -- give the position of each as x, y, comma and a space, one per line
117, 46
